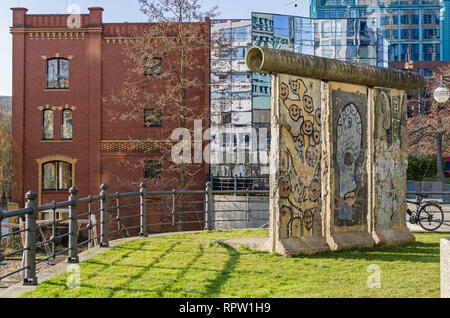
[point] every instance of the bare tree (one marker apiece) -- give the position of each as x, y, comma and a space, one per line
5, 151
434, 119
165, 80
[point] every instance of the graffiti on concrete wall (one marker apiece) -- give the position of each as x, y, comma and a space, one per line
390, 156
349, 111
300, 154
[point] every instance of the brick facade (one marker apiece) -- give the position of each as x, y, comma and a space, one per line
99, 145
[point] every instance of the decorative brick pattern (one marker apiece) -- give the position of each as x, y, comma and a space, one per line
54, 108
134, 146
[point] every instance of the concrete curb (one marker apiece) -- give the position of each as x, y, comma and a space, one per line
445, 267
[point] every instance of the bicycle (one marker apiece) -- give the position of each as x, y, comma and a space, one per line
429, 215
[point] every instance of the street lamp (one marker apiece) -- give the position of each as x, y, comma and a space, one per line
295, 3
441, 94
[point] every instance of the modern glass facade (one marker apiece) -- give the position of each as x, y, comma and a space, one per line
417, 30
240, 100
231, 99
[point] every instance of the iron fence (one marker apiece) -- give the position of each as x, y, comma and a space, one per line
240, 183
61, 229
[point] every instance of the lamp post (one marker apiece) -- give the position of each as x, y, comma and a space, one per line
441, 94
295, 3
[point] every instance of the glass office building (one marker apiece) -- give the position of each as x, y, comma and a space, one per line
417, 30
240, 100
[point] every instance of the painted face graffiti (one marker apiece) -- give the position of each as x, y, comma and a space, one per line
294, 112
299, 192
316, 136
311, 156
318, 117
285, 187
349, 138
308, 104
299, 143
314, 190
294, 87
299, 184
307, 128
308, 220
284, 162
284, 91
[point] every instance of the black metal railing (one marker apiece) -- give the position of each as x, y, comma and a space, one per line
240, 183
65, 227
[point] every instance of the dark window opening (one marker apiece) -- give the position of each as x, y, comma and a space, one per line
152, 169
153, 66
152, 118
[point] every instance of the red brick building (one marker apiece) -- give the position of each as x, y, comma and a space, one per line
62, 134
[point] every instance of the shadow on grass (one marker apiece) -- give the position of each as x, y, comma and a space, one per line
214, 287
182, 272
413, 252
142, 271
122, 287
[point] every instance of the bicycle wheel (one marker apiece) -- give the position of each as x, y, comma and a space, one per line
431, 216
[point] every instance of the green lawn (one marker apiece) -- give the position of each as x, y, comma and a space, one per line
192, 265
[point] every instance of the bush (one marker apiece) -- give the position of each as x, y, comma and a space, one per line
418, 169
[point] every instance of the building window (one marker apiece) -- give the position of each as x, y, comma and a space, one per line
405, 34
153, 66
152, 118
427, 19
431, 52
226, 118
57, 73
152, 169
47, 124
224, 139
405, 19
66, 126
426, 72
56, 176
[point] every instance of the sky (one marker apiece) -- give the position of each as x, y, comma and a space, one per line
122, 11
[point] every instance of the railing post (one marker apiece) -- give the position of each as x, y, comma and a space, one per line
247, 210
209, 206
143, 199
73, 226
29, 255
104, 216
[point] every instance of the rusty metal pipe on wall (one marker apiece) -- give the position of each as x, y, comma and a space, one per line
269, 61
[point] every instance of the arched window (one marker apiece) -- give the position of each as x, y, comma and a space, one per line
56, 175
47, 124
66, 125
57, 73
